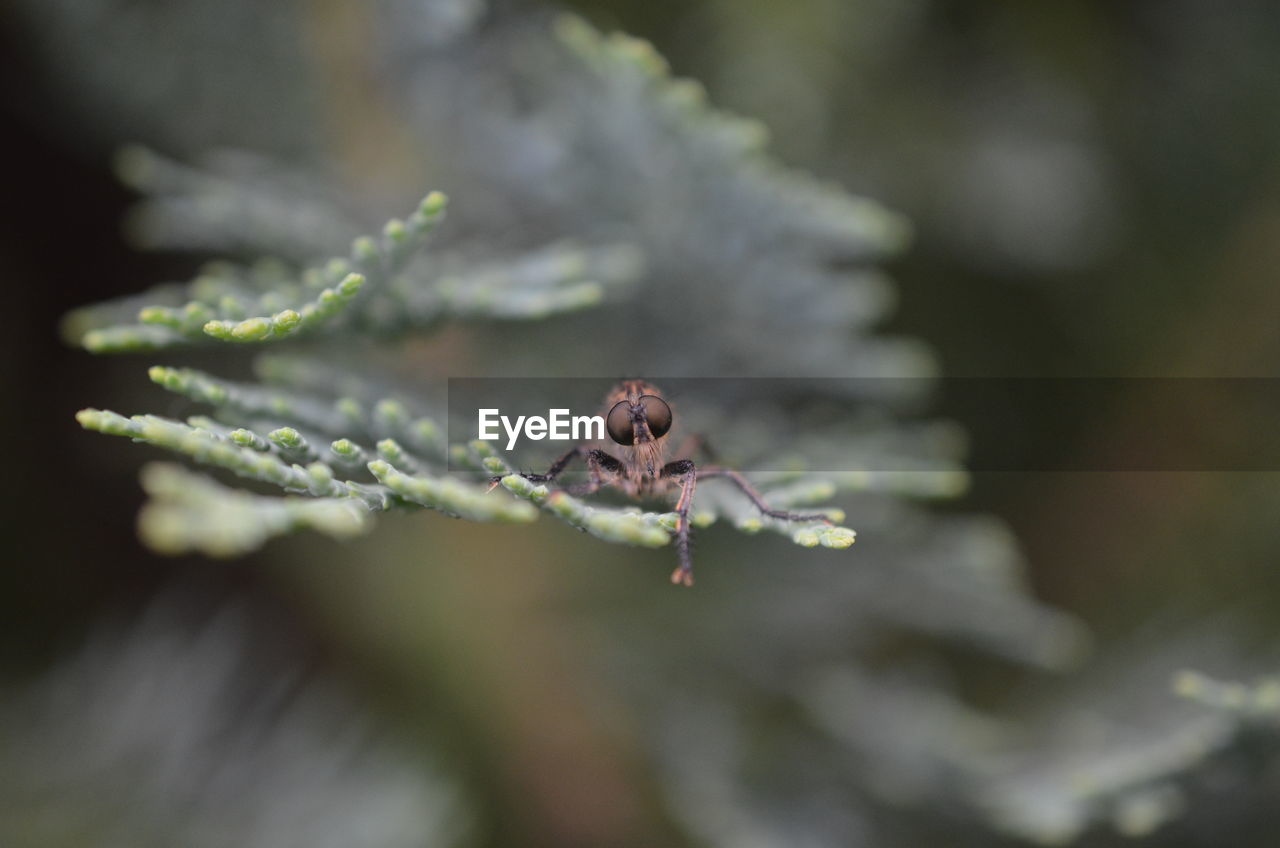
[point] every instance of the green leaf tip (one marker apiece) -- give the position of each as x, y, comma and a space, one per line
364, 249
516, 484
452, 496
248, 439
91, 419
625, 526
828, 537
390, 408
351, 284
481, 448
395, 230
251, 330
193, 384
286, 437
434, 203
391, 451
702, 518
285, 321
159, 315
129, 338
190, 512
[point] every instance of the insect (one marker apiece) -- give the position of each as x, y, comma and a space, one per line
637, 420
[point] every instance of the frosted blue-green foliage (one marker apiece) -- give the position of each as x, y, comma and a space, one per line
318, 447
1138, 742
655, 236
188, 724
385, 284
746, 268
388, 284
739, 250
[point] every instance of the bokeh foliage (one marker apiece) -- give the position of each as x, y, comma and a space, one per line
807, 697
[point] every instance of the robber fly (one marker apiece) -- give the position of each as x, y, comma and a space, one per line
637, 419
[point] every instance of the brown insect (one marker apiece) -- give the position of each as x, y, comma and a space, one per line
638, 419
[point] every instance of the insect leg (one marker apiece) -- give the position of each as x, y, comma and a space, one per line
758, 499
597, 460
553, 472
558, 466
687, 473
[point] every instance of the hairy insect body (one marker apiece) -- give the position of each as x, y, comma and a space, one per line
641, 456
637, 421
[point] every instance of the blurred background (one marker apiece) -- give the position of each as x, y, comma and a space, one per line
1094, 192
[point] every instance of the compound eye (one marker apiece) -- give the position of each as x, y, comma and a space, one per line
618, 423
657, 413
